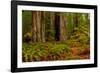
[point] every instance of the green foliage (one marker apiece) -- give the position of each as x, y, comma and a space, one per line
59, 49
33, 51
70, 24
81, 33
39, 51
27, 37
26, 21
49, 33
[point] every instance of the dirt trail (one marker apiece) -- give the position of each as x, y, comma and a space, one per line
80, 53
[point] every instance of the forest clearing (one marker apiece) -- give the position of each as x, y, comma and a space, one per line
51, 36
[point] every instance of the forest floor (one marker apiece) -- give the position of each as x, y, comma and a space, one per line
53, 51
81, 53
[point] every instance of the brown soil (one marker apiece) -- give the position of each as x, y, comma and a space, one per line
81, 53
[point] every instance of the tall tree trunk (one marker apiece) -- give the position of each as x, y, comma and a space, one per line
52, 20
63, 22
57, 26
38, 26
72, 23
34, 29
70, 26
76, 20
43, 26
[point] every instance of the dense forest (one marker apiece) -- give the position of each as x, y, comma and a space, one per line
49, 36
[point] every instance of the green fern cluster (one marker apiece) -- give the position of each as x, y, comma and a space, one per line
44, 51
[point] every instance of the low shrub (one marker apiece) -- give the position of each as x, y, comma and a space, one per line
43, 51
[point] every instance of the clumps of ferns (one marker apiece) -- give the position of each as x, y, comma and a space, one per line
33, 53
44, 52
79, 40
59, 52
